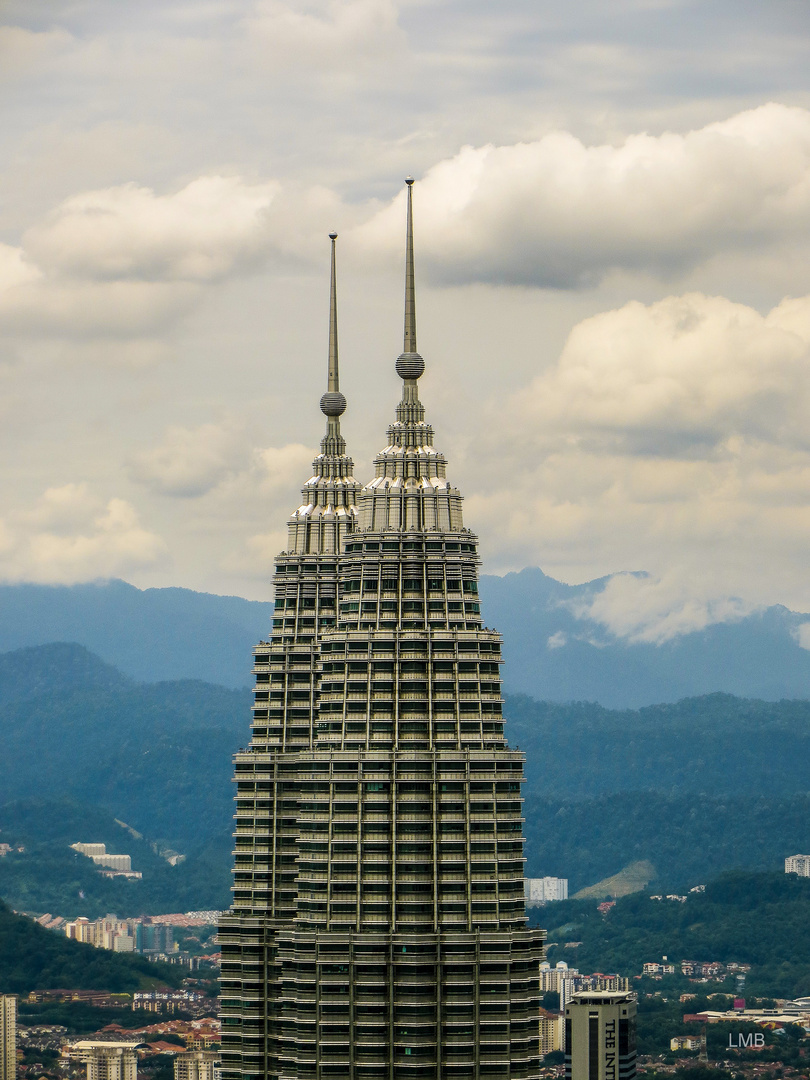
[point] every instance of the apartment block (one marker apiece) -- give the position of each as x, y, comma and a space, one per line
798, 864
8, 1037
544, 890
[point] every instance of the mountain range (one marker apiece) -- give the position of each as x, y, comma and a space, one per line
554, 649
88, 753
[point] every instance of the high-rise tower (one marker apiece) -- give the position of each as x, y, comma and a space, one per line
284, 711
402, 951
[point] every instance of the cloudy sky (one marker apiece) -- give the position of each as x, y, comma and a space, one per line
613, 271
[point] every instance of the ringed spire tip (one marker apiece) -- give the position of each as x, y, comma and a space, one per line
333, 403
410, 364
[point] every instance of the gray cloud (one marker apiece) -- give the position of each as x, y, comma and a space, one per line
557, 213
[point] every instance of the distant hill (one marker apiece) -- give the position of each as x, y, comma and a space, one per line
46, 875
150, 634
757, 919
689, 838
157, 755
716, 744
553, 652
630, 879
695, 787
35, 959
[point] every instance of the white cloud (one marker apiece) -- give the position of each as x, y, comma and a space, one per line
640, 608
331, 39
71, 535
284, 465
190, 461
125, 261
556, 212
671, 437
197, 234
14, 270
802, 635
687, 372
21, 49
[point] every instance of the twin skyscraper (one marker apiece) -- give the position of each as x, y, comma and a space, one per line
378, 929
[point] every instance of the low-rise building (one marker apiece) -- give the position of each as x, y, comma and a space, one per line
764, 1017
167, 1001
686, 1042
111, 865
197, 1065
656, 970
106, 1060
798, 864
544, 890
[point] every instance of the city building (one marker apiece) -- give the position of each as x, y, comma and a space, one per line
567, 981
544, 889
656, 970
169, 1001
122, 935
686, 1042
110, 865
197, 1065
8, 1037
378, 924
798, 864
551, 1031
600, 1036
106, 1060
153, 937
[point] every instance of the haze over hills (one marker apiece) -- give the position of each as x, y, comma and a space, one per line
555, 649
149, 634
695, 787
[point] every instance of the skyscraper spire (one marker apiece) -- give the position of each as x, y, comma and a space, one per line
333, 403
410, 364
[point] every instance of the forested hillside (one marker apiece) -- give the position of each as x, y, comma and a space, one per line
757, 919
46, 875
716, 745
695, 787
156, 755
688, 838
35, 959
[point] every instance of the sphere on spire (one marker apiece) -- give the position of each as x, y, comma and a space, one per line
333, 403
410, 366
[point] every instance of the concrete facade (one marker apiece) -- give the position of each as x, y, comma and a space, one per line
600, 1036
798, 864
545, 889
107, 1060
8, 1037
197, 1065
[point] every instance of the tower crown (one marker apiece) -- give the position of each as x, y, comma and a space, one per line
328, 511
